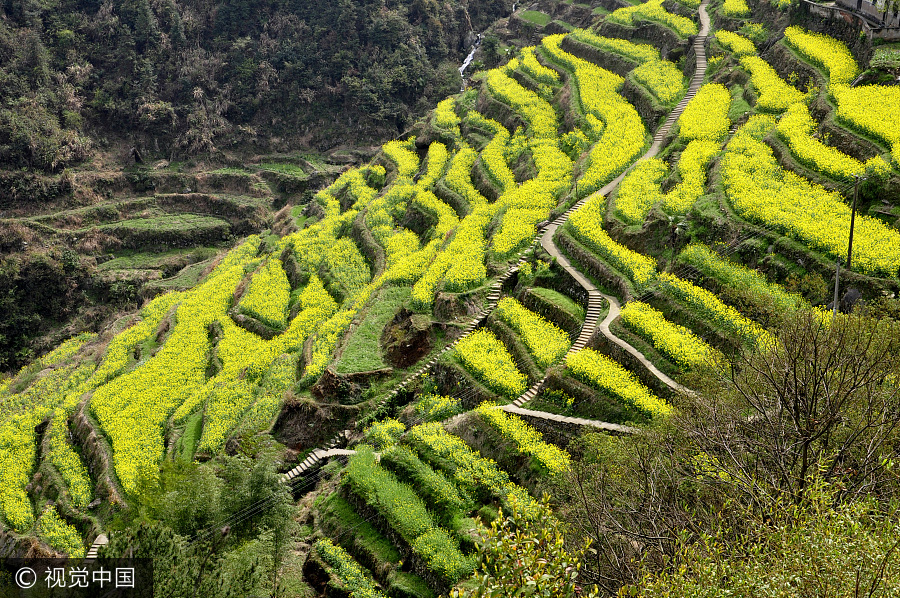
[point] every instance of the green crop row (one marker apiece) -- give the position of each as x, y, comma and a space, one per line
710, 308
356, 581
406, 513
471, 472
384, 433
735, 275
436, 407
433, 485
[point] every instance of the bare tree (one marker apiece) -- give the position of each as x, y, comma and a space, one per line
823, 404
824, 401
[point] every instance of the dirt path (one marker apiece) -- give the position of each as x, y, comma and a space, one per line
595, 296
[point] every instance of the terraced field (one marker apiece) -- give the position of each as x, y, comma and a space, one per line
558, 248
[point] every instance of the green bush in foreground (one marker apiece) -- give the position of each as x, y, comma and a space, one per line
814, 549
526, 555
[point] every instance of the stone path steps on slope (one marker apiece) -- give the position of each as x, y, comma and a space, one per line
693, 88
595, 297
331, 449
313, 459
94, 550
577, 421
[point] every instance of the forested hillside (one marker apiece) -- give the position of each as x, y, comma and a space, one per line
180, 77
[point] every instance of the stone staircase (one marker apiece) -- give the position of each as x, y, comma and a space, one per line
696, 81
94, 550
595, 296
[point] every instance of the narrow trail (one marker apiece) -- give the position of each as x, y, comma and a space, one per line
591, 324
92, 553
595, 296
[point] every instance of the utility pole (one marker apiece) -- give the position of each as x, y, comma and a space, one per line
853, 217
837, 273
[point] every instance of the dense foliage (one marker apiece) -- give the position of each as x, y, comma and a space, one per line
183, 76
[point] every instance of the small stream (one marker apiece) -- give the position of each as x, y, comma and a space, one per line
468, 60
471, 56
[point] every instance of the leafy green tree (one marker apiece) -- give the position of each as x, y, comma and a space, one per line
183, 569
525, 554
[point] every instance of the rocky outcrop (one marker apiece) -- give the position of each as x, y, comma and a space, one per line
304, 424
406, 339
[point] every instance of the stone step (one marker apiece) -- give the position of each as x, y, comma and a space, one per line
94, 550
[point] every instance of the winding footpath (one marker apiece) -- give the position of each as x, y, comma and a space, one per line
592, 316
595, 296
